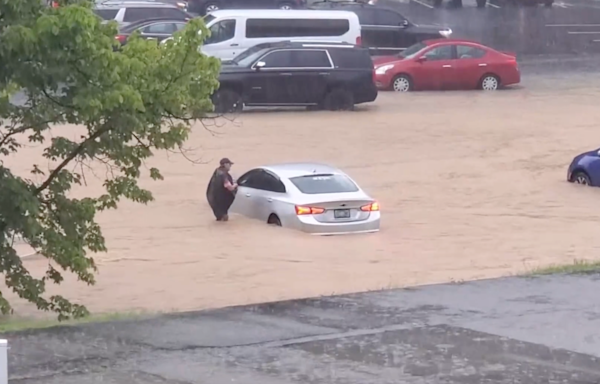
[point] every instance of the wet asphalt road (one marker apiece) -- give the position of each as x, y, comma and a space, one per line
513, 330
570, 27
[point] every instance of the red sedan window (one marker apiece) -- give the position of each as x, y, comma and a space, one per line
442, 52
469, 52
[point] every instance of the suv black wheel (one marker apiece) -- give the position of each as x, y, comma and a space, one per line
481, 3
227, 101
339, 99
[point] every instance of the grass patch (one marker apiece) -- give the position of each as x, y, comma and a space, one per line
576, 267
15, 323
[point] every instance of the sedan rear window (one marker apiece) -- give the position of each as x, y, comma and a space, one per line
328, 183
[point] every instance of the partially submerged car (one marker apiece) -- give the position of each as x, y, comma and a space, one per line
585, 169
310, 197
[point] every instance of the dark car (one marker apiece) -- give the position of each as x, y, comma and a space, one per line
385, 31
204, 7
585, 169
333, 76
157, 29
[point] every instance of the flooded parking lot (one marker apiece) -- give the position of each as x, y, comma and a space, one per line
471, 184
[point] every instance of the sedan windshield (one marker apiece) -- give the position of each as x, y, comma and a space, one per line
328, 183
412, 50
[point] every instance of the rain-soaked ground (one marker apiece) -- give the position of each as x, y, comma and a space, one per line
513, 330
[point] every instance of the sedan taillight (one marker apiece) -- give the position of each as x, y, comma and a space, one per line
374, 206
301, 210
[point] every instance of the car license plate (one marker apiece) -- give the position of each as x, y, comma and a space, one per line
341, 213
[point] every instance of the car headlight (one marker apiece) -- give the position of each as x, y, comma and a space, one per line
383, 69
446, 32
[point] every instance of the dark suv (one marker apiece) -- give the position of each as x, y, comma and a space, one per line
385, 31
333, 76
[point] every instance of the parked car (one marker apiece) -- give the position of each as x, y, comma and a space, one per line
585, 169
314, 198
204, 7
333, 76
447, 64
157, 29
234, 31
127, 12
384, 30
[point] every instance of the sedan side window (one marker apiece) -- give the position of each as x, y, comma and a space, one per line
160, 28
443, 52
278, 59
268, 182
469, 52
249, 179
221, 31
384, 17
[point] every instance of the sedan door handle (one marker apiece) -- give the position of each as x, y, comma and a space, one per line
248, 195
483, 65
446, 66
286, 74
324, 73
234, 45
269, 200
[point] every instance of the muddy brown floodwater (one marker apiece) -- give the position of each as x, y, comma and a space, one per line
471, 185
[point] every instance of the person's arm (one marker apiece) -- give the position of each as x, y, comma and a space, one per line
227, 184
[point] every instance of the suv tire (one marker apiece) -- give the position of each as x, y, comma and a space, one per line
227, 101
481, 3
339, 99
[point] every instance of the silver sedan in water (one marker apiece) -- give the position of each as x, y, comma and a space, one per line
314, 198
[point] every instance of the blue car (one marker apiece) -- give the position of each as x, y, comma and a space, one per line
585, 169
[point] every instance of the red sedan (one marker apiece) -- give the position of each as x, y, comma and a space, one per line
447, 64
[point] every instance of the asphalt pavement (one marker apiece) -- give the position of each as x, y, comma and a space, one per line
506, 331
570, 27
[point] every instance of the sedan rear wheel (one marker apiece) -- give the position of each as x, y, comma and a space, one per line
274, 220
402, 83
581, 178
490, 83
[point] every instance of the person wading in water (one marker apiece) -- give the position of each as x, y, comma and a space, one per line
221, 190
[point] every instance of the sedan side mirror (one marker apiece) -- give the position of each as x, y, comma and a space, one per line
259, 65
421, 59
404, 23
